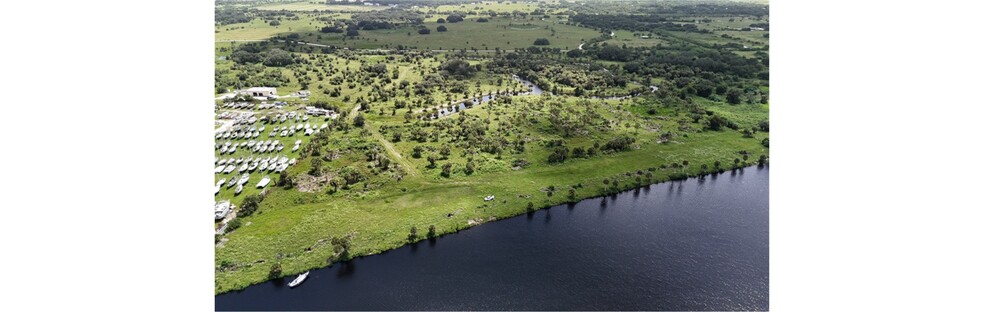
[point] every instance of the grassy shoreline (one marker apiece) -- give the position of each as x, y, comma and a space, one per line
378, 230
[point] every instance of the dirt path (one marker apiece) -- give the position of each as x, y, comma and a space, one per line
389, 146
393, 153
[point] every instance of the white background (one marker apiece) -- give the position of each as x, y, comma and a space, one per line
107, 155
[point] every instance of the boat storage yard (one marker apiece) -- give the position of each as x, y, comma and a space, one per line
255, 143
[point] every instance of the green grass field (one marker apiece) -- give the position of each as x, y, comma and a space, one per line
499, 33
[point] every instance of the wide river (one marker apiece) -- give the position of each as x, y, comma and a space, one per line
685, 245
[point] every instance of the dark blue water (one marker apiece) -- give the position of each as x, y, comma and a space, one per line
690, 245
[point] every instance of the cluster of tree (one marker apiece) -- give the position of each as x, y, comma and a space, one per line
661, 62
619, 143
716, 123
386, 19
632, 22
225, 15
709, 9
253, 53
250, 204
458, 68
541, 41
454, 18
332, 29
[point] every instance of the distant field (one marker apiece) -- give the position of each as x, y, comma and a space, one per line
490, 5
633, 40
258, 29
497, 33
321, 6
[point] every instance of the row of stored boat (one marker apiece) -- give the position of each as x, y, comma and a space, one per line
239, 182
267, 146
274, 164
254, 132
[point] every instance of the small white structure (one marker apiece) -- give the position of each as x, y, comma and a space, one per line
264, 92
314, 111
222, 208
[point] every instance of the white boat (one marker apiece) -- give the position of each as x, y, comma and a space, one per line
243, 167
490, 197
217, 189
263, 166
252, 166
280, 148
262, 128
219, 168
283, 133
239, 189
223, 150
232, 181
229, 168
232, 149
296, 147
298, 127
221, 162
221, 181
298, 142
263, 182
292, 161
243, 179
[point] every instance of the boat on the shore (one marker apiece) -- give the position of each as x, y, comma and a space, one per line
300, 279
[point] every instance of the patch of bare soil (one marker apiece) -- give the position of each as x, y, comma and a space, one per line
311, 184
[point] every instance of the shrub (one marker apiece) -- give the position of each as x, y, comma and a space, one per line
233, 225
275, 270
541, 41
442, 28
250, 204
